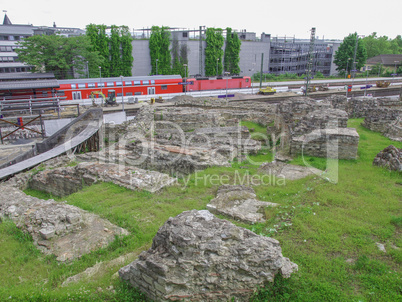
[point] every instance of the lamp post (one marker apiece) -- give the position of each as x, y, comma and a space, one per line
347, 65
394, 74
185, 78
122, 92
227, 80
379, 70
156, 66
365, 89
100, 76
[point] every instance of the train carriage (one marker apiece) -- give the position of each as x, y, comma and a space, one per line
77, 89
198, 84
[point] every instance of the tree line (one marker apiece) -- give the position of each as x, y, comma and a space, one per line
110, 55
216, 60
354, 51
112, 52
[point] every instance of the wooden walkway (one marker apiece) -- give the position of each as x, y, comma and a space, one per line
90, 129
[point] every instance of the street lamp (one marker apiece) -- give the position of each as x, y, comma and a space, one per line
100, 76
156, 66
347, 65
122, 92
395, 70
365, 89
227, 79
185, 78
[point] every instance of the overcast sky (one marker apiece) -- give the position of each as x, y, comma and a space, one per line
332, 19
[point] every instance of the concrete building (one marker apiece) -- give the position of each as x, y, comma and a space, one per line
250, 52
290, 55
279, 55
11, 34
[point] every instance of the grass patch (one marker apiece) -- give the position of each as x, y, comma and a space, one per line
329, 230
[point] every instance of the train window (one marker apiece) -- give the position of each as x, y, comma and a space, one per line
152, 82
247, 79
164, 87
119, 83
145, 82
91, 85
60, 92
137, 93
109, 84
73, 86
119, 94
128, 83
129, 93
137, 82
81, 85
101, 84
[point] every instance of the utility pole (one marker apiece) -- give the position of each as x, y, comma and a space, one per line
200, 69
262, 66
310, 60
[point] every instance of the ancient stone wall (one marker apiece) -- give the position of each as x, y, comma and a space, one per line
379, 119
198, 257
338, 143
362, 106
57, 228
64, 181
321, 119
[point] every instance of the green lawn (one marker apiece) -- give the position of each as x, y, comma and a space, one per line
329, 230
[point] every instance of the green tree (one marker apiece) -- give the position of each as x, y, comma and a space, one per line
179, 54
345, 54
184, 59
100, 43
115, 57
58, 54
126, 51
159, 43
232, 52
213, 52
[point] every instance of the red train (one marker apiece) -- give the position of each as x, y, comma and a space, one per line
77, 89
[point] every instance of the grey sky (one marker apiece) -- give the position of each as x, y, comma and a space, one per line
332, 19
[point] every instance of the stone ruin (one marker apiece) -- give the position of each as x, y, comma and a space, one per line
316, 129
198, 257
239, 203
381, 120
286, 171
362, 106
338, 143
381, 114
64, 181
394, 131
63, 230
390, 157
177, 141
